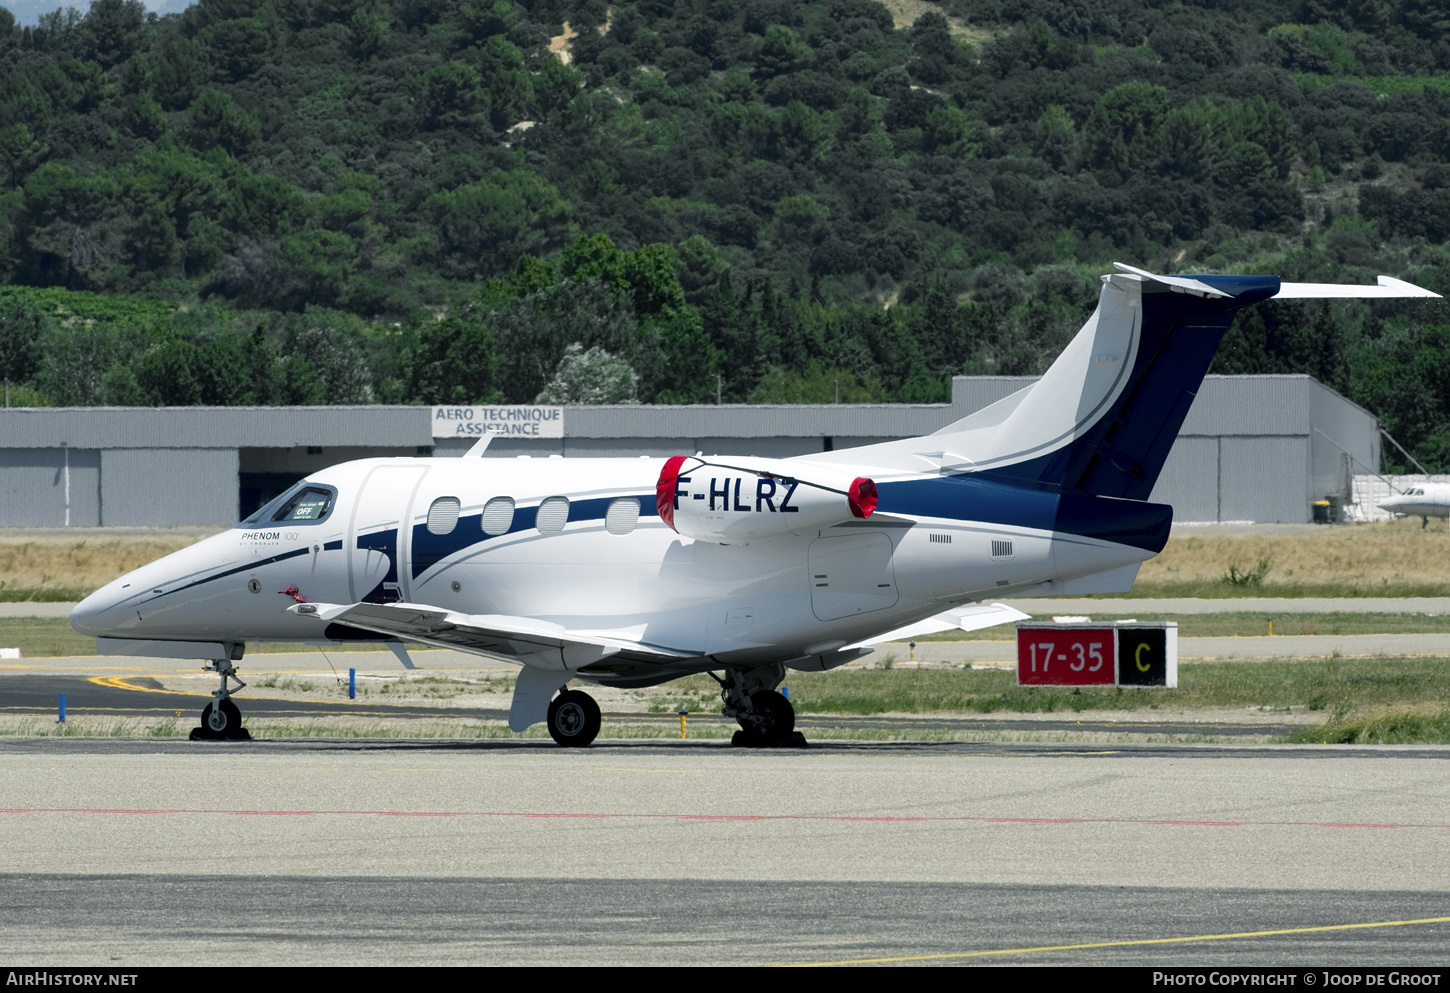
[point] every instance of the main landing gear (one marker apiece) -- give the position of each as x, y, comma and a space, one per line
767, 720
221, 720
574, 719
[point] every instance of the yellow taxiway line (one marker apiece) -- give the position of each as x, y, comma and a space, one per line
1125, 944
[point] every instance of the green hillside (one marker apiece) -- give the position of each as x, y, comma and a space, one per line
302, 201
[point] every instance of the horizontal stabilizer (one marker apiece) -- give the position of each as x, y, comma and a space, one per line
1184, 284
1388, 287
973, 617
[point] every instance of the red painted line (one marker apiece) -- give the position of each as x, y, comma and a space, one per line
835, 818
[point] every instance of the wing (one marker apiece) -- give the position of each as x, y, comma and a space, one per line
969, 618
517, 639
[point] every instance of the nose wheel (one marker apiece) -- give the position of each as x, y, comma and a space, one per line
221, 720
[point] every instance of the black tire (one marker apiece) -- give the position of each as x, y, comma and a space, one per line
227, 725
574, 719
772, 722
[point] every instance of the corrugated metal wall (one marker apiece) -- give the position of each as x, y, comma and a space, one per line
1190, 481
1252, 448
143, 487
1264, 479
34, 487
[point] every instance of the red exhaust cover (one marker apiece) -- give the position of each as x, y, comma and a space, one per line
862, 496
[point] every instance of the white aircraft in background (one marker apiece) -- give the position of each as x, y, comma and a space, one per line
1422, 500
632, 572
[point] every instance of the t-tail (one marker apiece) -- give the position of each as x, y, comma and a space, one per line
1101, 421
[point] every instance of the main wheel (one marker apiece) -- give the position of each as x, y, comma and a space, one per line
574, 719
771, 722
225, 722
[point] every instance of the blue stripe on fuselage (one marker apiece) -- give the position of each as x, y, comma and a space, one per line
972, 497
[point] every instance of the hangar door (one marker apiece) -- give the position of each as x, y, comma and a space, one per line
50, 488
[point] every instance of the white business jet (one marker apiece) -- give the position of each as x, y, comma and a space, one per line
632, 572
1423, 500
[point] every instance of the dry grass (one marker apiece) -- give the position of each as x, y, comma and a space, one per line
1394, 558
57, 566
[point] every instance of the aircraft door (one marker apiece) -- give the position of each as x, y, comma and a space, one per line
851, 574
378, 538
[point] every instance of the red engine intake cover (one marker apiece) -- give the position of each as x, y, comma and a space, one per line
666, 487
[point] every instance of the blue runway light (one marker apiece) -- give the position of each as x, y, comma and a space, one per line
62, 709
352, 684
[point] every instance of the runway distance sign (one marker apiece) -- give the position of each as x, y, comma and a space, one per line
1121, 653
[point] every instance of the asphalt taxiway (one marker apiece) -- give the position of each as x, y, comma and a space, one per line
695, 853
145, 696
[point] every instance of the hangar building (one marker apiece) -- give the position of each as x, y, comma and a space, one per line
1254, 448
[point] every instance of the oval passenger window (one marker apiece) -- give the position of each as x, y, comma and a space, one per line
553, 514
622, 515
498, 515
443, 515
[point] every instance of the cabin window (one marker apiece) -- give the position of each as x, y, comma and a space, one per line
443, 515
622, 515
553, 514
498, 515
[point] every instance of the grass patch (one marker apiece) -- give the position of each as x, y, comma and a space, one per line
1407, 726
52, 568
53, 637
1391, 558
1336, 685
1244, 624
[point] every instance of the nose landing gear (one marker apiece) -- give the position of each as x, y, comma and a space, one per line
221, 720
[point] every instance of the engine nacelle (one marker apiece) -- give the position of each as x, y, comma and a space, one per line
728, 499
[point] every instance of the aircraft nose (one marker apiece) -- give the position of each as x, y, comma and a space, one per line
97, 613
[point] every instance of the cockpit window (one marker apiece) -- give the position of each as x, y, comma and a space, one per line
307, 503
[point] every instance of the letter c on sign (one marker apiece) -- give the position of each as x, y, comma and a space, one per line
1138, 657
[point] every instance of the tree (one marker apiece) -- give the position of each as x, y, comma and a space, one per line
454, 361
485, 227
592, 377
23, 327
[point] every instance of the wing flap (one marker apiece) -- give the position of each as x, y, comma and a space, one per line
973, 617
